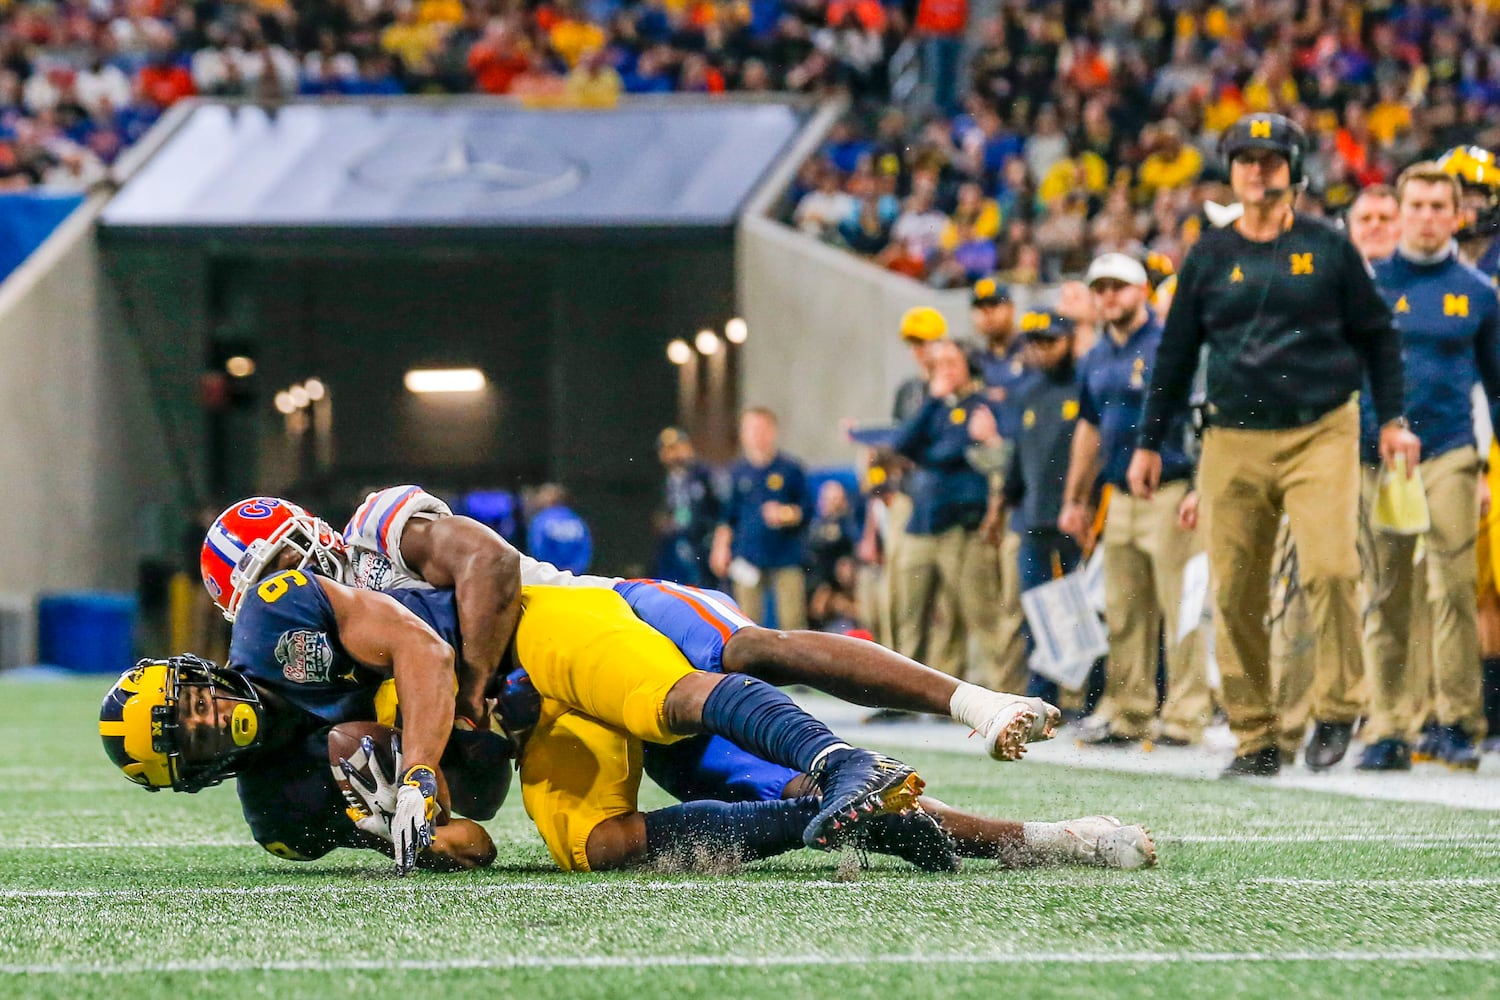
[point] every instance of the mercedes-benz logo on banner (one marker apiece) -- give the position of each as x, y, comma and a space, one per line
508, 170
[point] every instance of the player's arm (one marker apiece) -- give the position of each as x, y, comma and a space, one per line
461, 846
1176, 358
484, 571
386, 637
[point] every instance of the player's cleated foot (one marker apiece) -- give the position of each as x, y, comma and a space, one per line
1327, 744
1009, 730
856, 785
1385, 755
913, 836
1108, 843
1260, 764
1454, 749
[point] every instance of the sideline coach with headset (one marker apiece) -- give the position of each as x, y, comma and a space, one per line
1293, 326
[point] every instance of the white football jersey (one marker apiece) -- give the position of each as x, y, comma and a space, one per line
373, 540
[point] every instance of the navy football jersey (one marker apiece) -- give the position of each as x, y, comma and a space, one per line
285, 639
292, 805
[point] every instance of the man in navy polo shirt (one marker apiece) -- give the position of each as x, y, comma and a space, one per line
943, 552
1005, 380
1144, 548
1450, 336
758, 544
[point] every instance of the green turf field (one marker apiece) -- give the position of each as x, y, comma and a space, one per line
106, 890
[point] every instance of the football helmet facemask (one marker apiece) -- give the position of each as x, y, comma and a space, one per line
142, 732
249, 539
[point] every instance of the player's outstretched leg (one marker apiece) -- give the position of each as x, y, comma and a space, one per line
1102, 841
721, 836
854, 784
866, 673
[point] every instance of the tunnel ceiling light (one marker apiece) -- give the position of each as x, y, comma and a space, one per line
284, 403
707, 342
679, 353
422, 380
736, 331
315, 389
240, 366
299, 396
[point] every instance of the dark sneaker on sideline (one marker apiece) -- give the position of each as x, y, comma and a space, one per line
1454, 749
1260, 764
856, 785
1328, 744
1385, 755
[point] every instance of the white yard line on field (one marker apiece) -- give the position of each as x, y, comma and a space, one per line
366, 889
754, 961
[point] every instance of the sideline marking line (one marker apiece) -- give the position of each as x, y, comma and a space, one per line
758, 961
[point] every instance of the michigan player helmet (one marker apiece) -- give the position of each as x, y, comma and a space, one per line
142, 732
1276, 133
1478, 171
250, 537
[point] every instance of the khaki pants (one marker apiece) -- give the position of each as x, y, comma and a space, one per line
1248, 479
1144, 555
956, 565
790, 586
1293, 640
1399, 689
1008, 670
942, 643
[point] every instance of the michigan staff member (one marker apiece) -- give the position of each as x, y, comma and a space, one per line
1293, 325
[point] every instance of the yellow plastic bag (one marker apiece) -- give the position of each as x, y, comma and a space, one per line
1401, 501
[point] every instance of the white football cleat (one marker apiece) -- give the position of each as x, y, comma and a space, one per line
1106, 842
1008, 730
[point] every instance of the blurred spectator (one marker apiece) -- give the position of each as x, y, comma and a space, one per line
943, 550
554, 533
1038, 466
1145, 550
1005, 381
1373, 224
758, 544
692, 512
831, 535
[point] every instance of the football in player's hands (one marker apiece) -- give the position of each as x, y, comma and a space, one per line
364, 763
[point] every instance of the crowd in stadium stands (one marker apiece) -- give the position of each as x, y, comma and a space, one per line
1084, 126
1091, 127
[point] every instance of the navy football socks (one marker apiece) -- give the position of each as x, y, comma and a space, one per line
735, 831
757, 717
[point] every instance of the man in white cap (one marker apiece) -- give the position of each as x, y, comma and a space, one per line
1144, 548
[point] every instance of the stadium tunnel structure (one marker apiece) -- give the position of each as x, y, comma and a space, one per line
557, 251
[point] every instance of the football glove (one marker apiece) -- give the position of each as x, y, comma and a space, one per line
372, 800
416, 814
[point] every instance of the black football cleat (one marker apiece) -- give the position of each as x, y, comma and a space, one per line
1260, 764
857, 785
1327, 744
913, 836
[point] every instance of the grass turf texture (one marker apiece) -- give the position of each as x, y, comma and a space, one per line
1260, 892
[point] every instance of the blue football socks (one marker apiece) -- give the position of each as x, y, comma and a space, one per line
757, 717
735, 831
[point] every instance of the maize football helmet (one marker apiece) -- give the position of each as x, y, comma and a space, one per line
250, 537
1478, 171
142, 732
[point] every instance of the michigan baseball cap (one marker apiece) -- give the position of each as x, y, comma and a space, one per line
1044, 324
1119, 267
923, 323
988, 292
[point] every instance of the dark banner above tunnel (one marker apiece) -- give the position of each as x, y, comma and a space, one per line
321, 165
